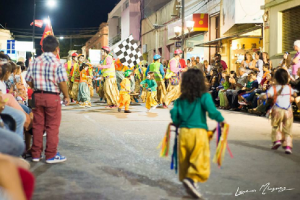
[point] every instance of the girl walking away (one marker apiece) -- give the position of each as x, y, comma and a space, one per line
124, 96
281, 113
151, 86
84, 98
189, 114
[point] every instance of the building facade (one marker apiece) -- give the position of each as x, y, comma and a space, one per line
281, 27
124, 20
98, 40
228, 27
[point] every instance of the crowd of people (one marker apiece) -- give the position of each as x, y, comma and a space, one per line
30, 102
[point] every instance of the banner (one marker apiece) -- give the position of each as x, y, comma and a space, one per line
48, 31
38, 23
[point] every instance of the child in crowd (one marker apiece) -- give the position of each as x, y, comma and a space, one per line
222, 93
222, 81
189, 114
281, 113
124, 96
21, 93
251, 86
150, 85
4, 76
84, 98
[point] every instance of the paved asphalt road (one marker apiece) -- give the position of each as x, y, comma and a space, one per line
114, 156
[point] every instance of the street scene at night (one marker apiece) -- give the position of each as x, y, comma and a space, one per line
149, 99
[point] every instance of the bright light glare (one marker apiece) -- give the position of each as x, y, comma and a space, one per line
177, 29
190, 24
61, 37
51, 3
46, 21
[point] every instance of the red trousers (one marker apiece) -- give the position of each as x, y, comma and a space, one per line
47, 117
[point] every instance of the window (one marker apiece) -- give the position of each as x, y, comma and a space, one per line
218, 26
290, 28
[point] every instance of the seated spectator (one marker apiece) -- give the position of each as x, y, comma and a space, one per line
194, 64
232, 95
252, 84
207, 67
296, 85
222, 93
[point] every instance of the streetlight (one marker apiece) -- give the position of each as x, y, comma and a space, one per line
46, 21
190, 25
51, 3
61, 37
177, 30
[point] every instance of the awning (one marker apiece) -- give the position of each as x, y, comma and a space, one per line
212, 43
218, 42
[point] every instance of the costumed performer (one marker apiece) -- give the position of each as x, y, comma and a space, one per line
69, 67
158, 69
189, 115
124, 97
75, 73
281, 113
111, 92
173, 90
151, 89
84, 98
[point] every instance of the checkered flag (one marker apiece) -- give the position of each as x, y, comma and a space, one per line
128, 52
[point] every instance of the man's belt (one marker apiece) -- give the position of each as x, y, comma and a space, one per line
45, 92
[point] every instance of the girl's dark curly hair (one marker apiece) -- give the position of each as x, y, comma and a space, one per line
192, 84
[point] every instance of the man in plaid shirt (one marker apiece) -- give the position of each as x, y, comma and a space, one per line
47, 76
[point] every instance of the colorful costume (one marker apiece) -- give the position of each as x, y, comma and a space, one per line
75, 79
111, 92
194, 152
222, 94
90, 81
173, 91
159, 74
84, 91
281, 115
124, 97
151, 91
69, 68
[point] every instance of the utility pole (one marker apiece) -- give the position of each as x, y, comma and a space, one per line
33, 27
182, 26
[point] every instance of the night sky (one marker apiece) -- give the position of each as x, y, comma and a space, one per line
67, 14
17, 15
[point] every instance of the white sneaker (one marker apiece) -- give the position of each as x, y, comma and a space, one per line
148, 110
154, 107
191, 188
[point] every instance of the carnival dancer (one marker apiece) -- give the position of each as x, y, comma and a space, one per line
158, 69
124, 97
90, 79
151, 89
111, 92
119, 72
282, 112
69, 67
75, 74
173, 90
84, 98
189, 115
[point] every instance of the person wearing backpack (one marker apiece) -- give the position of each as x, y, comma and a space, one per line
281, 112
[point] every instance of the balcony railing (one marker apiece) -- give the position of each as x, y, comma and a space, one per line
115, 40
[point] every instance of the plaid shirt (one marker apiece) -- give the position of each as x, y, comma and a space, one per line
46, 72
